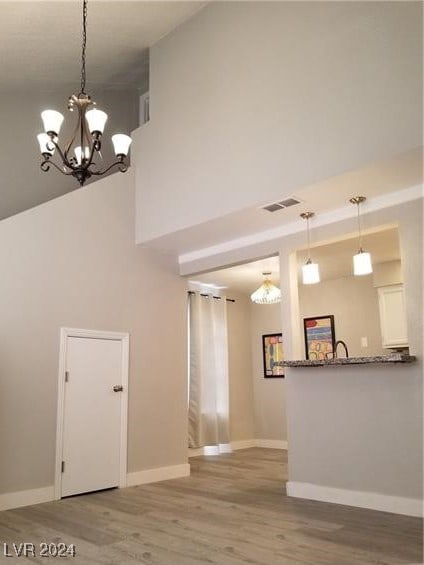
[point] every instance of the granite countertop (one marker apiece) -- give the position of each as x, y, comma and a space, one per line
392, 358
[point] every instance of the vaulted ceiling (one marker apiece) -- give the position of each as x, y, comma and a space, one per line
40, 41
40, 47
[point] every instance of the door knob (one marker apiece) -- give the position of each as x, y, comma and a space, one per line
118, 388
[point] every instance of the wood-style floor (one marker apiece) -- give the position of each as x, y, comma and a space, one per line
232, 510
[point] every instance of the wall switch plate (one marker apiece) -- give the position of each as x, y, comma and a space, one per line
364, 342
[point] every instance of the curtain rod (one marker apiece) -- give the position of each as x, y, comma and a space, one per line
210, 295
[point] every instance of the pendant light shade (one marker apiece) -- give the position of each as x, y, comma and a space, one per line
362, 264
96, 120
310, 273
310, 270
267, 293
121, 144
52, 121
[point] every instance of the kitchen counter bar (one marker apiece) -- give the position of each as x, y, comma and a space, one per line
378, 359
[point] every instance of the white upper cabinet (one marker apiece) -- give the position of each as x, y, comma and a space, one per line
393, 316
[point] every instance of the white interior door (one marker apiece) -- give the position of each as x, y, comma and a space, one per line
91, 440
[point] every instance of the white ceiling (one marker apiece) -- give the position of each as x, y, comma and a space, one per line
243, 278
335, 261
40, 41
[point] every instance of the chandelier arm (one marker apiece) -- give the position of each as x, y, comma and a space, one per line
95, 146
69, 145
123, 167
62, 155
74, 135
45, 166
89, 138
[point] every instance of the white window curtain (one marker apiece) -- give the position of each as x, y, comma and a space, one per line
208, 374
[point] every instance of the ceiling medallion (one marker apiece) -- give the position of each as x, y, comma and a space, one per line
78, 156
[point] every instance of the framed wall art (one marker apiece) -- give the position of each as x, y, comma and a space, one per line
319, 337
272, 350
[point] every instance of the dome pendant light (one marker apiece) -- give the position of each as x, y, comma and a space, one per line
310, 270
362, 264
267, 293
77, 158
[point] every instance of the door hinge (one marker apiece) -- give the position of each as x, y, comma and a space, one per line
66, 376
62, 467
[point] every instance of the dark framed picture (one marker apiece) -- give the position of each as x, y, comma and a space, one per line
272, 350
319, 337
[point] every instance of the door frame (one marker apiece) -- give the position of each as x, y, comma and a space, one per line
124, 338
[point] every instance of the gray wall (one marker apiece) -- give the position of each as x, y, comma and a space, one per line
353, 301
269, 394
73, 262
19, 151
251, 100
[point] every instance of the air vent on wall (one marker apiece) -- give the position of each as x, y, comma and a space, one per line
282, 204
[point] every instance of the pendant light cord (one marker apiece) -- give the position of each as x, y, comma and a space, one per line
84, 45
359, 228
309, 239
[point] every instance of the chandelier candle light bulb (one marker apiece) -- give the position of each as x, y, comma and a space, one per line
78, 154
310, 270
75, 161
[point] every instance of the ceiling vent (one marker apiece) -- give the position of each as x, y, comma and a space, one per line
282, 204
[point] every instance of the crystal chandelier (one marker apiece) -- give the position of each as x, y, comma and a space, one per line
267, 293
78, 156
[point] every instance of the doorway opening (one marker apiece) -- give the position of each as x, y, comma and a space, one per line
252, 413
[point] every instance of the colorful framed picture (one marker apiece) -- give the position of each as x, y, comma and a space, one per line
319, 337
272, 350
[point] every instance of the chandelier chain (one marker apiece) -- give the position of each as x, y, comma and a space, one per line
84, 45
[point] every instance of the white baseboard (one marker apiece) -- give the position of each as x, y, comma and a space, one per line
195, 451
21, 498
36, 496
370, 500
243, 444
272, 443
158, 474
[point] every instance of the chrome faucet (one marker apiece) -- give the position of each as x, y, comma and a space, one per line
340, 342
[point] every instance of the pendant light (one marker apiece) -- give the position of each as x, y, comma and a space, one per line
267, 293
78, 157
310, 270
362, 264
